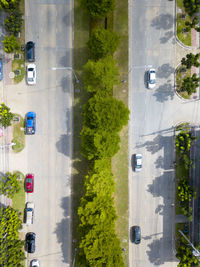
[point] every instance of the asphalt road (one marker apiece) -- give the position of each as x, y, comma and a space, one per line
151, 192
48, 24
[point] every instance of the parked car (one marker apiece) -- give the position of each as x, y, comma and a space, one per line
1, 69
35, 263
151, 78
29, 213
30, 51
31, 74
138, 162
30, 242
29, 183
30, 122
136, 234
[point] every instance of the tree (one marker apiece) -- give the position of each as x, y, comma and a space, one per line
9, 184
99, 144
105, 113
13, 23
103, 43
190, 84
99, 8
191, 60
185, 192
11, 249
101, 75
5, 115
11, 44
191, 6
9, 4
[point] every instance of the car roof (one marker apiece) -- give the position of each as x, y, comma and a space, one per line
31, 114
30, 175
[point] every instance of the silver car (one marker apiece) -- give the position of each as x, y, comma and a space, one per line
35, 263
138, 162
29, 212
151, 78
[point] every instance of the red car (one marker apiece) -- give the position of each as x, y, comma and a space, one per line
29, 183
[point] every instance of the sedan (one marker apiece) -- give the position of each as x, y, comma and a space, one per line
29, 183
30, 123
35, 263
136, 234
30, 242
31, 74
29, 212
138, 162
151, 78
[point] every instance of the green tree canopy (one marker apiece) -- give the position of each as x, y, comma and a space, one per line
13, 23
99, 8
11, 249
191, 6
11, 44
9, 4
9, 184
191, 60
105, 113
103, 43
5, 115
101, 75
99, 144
190, 84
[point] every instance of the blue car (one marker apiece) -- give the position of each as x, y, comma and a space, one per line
1, 69
30, 122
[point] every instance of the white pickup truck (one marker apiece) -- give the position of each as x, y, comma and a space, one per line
29, 212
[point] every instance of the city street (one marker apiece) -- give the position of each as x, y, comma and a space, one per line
48, 153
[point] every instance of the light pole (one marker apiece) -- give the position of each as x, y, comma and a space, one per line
125, 256
8, 145
67, 68
195, 252
76, 250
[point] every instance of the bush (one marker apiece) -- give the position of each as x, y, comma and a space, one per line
5, 115
13, 23
99, 8
11, 44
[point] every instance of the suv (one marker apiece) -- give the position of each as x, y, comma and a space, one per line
30, 51
136, 234
151, 78
29, 212
138, 162
30, 123
30, 242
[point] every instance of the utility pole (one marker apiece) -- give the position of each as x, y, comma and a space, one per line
195, 252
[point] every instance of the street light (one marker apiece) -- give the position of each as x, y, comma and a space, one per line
125, 256
195, 252
67, 68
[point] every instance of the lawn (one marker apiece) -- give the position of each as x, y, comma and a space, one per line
179, 80
184, 37
19, 65
18, 201
120, 160
18, 134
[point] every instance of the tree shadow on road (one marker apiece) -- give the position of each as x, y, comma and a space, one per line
164, 93
165, 71
163, 21
63, 229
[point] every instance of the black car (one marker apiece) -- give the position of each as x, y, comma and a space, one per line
30, 242
136, 234
30, 51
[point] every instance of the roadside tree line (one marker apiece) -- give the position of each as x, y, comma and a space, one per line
103, 118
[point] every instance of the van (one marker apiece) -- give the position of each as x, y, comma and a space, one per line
29, 212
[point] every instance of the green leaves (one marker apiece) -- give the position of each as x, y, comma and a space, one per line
103, 43
5, 115
11, 44
101, 76
98, 8
9, 184
11, 249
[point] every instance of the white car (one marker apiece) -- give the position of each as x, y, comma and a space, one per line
31, 74
29, 212
138, 162
151, 78
35, 263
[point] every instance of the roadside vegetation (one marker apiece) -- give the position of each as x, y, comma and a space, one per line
184, 192
187, 19
187, 81
18, 134
100, 141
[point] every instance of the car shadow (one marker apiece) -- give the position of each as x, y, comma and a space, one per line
133, 162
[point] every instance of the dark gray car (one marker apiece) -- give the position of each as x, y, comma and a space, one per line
30, 51
136, 234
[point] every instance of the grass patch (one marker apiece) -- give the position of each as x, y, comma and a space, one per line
18, 201
80, 164
183, 227
184, 37
120, 160
19, 64
18, 135
179, 80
